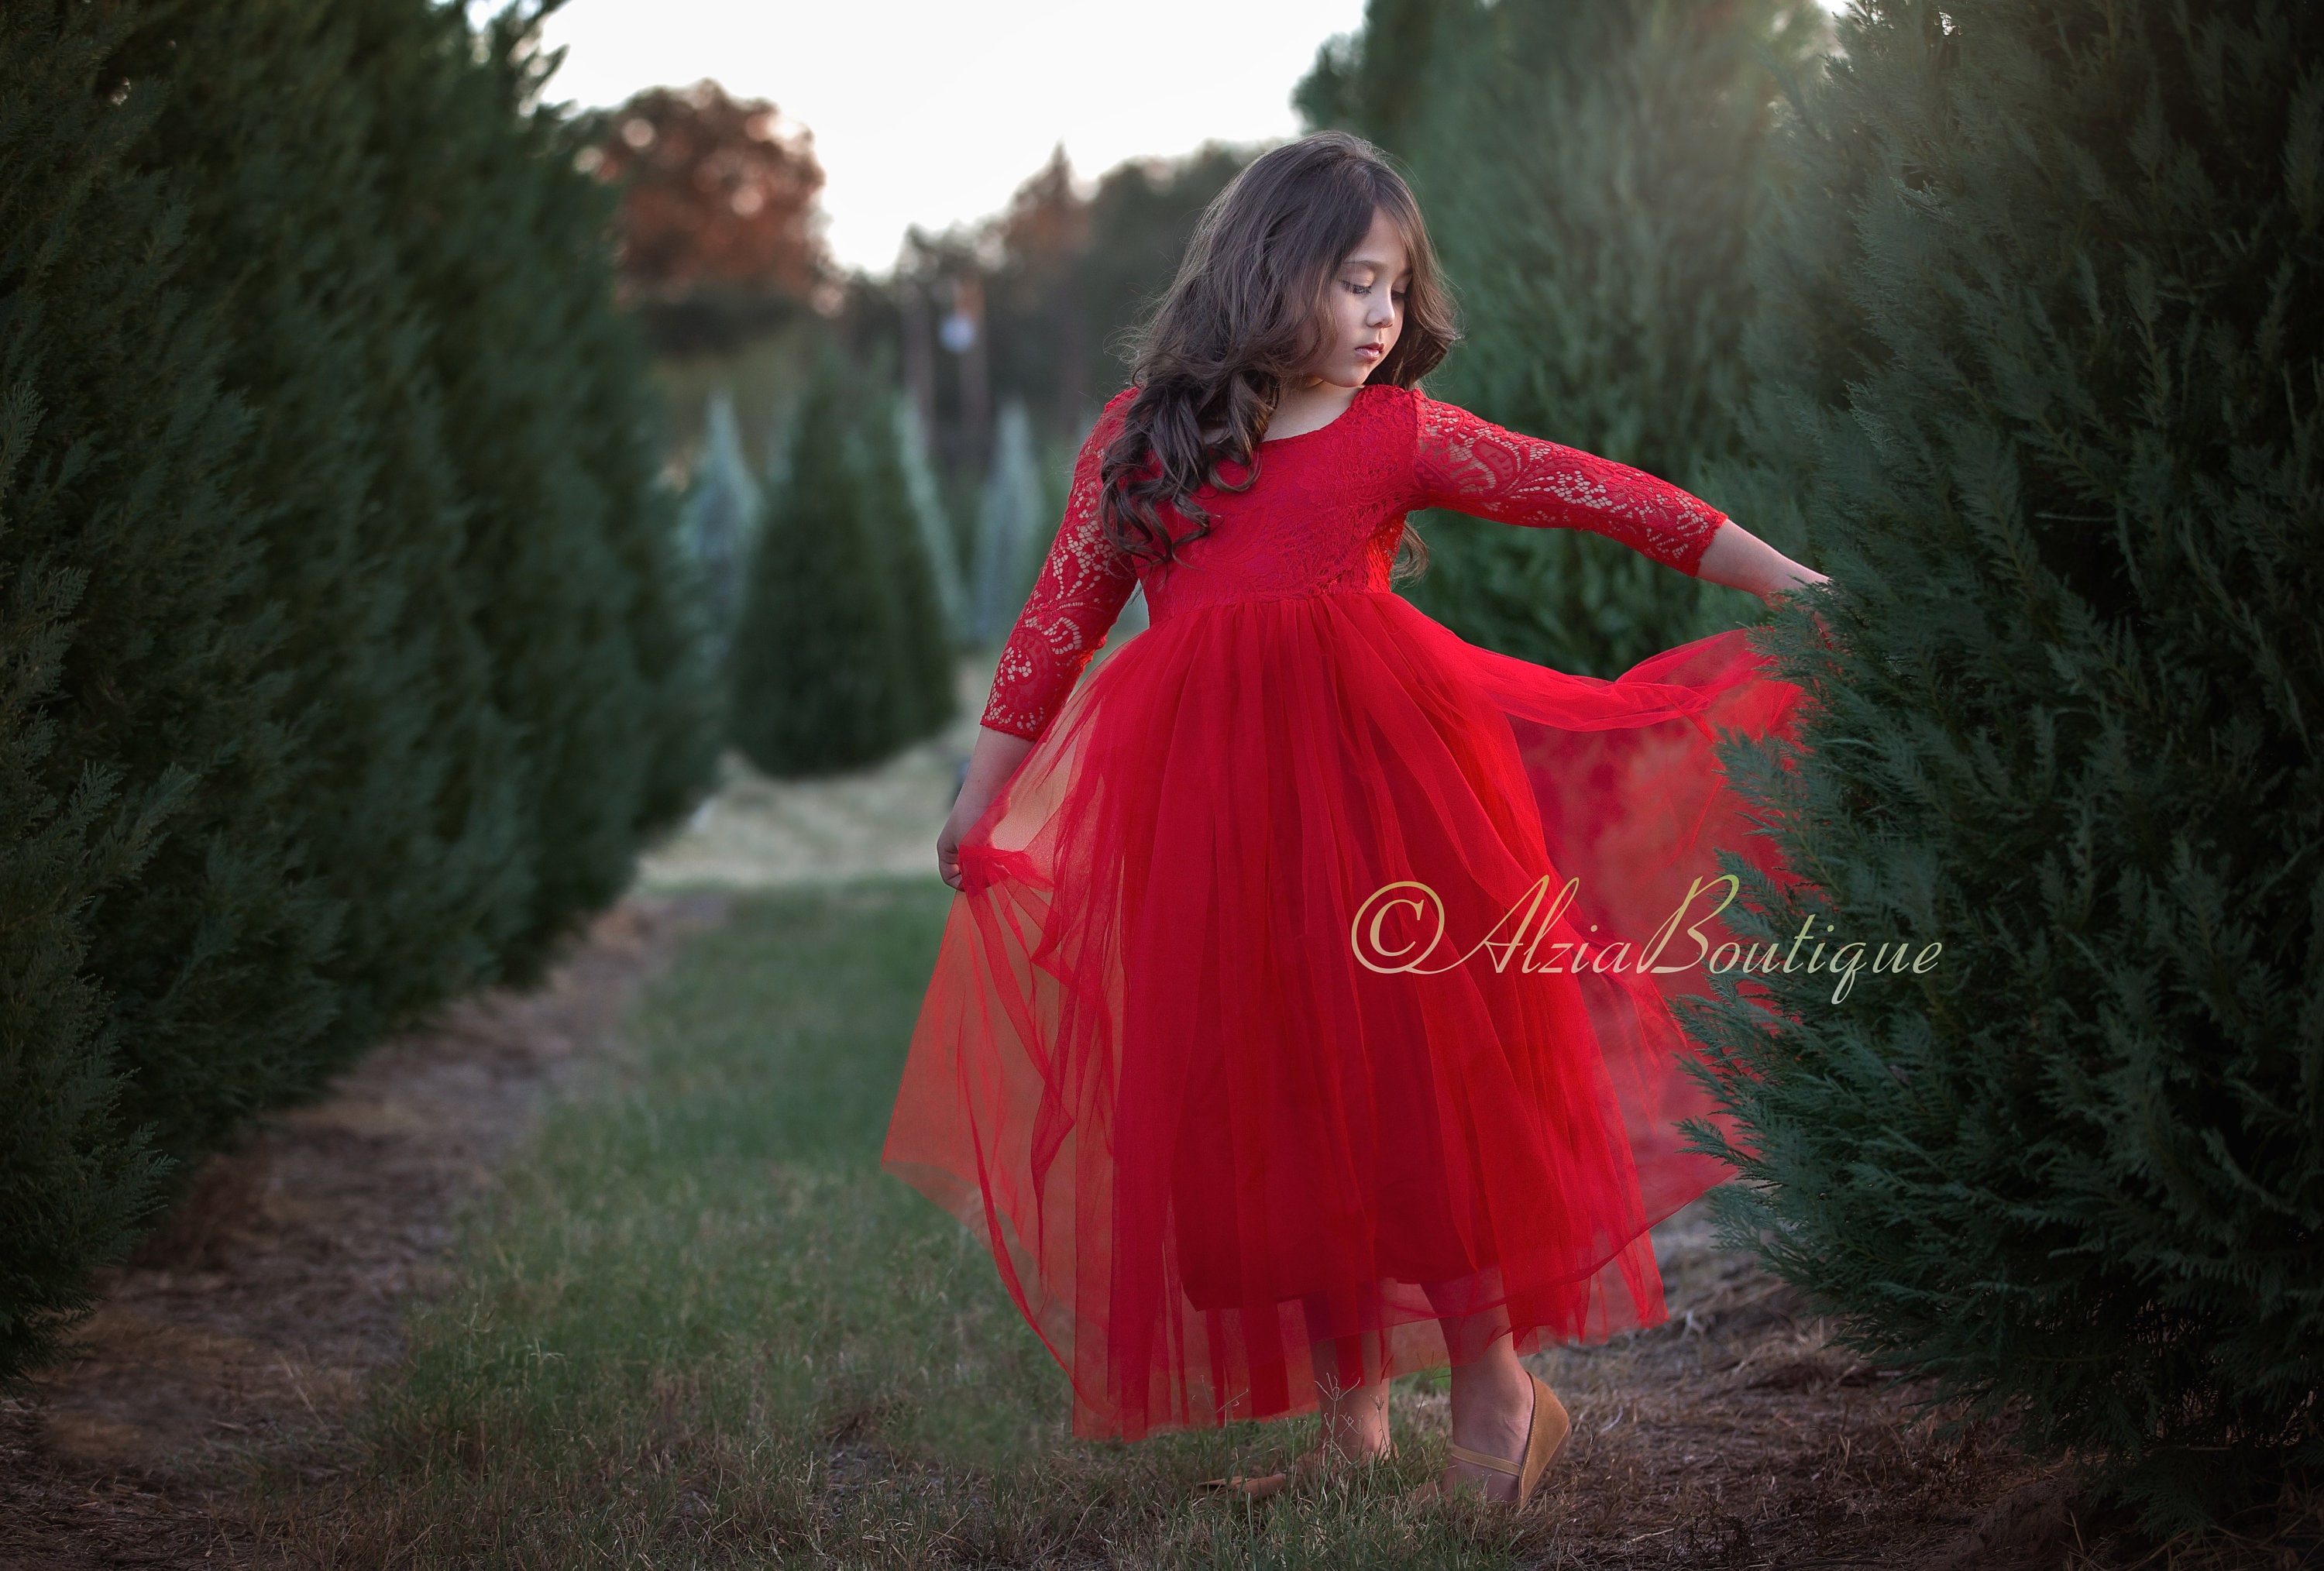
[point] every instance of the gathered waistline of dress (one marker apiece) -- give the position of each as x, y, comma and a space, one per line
1163, 615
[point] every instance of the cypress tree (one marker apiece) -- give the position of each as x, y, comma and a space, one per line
1010, 513
670, 640
1590, 174
282, 288
936, 535
925, 693
2046, 344
129, 482
412, 774
73, 1182
721, 512
574, 547
1384, 79
816, 663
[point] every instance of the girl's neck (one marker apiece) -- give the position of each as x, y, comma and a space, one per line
1309, 408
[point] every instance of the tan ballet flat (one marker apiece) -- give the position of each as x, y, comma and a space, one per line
1546, 1434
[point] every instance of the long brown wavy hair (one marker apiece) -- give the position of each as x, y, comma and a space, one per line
1244, 316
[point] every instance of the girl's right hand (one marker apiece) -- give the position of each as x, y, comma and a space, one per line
998, 754
948, 837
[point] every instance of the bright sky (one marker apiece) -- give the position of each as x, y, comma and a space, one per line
932, 114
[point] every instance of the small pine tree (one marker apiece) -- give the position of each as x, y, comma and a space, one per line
2046, 352
1008, 523
926, 693
722, 507
935, 525
814, 670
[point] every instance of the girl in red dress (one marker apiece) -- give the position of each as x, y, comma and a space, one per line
1295, 1024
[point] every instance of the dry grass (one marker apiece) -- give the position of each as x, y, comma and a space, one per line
759, 833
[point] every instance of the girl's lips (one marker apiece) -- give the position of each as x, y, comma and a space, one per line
1371, 349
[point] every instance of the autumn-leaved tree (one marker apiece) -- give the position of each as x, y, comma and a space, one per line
718, 233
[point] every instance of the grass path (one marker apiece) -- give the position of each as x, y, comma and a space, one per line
257, 1318
694, 1324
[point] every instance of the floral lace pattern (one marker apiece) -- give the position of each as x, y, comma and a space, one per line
1326, 517
1473, 466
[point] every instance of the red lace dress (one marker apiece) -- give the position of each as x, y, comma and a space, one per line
1177, 1063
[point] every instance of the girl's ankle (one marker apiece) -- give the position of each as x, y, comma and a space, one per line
1357, 1447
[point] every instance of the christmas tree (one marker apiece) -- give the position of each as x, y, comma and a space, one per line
2044, 361
1009, 514
926, 694
928, 516
348, 659
722, 510
73, 1182
840, 658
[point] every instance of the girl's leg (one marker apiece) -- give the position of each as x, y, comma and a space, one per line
1353, 1409
1354, 1416
1493, 1394
1351, 1392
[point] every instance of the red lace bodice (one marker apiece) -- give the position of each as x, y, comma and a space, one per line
1324, 517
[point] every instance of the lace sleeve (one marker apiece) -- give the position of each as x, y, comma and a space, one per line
1082, 587
1471, 465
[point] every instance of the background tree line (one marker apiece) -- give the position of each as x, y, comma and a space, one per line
873, 465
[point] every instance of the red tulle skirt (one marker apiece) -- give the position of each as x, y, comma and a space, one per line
1267, 1042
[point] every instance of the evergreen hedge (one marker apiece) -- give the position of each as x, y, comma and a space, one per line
2045, 359
109, 353
1591, 173
347, 662
841, 657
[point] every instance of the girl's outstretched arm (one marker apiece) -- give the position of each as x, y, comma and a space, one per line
1467, 463
1741, 560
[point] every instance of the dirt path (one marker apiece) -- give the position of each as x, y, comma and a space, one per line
1738, 1436
255, 1316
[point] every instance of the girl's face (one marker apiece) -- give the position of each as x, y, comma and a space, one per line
1364, 308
